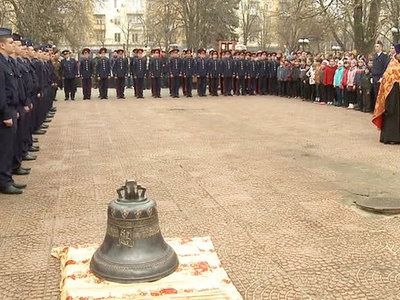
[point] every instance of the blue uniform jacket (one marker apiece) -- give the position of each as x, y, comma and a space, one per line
86, 68
8, 90
103, 68
69, 68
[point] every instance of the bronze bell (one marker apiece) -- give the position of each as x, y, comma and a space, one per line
133, 249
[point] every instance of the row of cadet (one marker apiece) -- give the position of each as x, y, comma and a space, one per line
27, 90
337, 81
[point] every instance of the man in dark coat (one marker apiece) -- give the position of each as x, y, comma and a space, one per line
69, 71
8, 113
103, 70
379, 64
86, 72
120, 72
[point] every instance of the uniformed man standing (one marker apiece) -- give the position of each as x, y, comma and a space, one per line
214, 70
227, 73
57, 66
156, 72
86, 72
104, 73
201, 72
69, 70
8, 112
175, 72
120, 72
139, 71
241, 72
188, 72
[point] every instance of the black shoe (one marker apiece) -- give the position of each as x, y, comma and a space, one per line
44, 126
26, 169
20, 171
53, 109
66, 99
33, 149
10, 190
47, 121
29, 157
19, 185
50, 116
35, 140
40, 131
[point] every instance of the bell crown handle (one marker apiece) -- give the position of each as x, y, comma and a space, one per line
132, 191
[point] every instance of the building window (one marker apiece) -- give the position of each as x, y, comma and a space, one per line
99, 20
135, 38
134, 19
115, 3
117, 37
117, 21
100, 36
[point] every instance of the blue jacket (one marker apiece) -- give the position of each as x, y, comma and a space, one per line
214, 68
86, 68
201, 67
337, 79
120, 67
8, 90
103, 68
227, 67
69, 68
241, 67
156, 67
175, 66
139, 67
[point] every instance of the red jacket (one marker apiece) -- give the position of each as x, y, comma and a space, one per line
329, 75
345, 77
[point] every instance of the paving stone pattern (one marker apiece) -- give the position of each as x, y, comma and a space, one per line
271, 180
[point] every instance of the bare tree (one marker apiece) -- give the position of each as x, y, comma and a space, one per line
249, 19
52, 20
359, 19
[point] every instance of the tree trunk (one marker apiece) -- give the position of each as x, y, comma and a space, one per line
358, 25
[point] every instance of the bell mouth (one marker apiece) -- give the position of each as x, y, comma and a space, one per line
109, 269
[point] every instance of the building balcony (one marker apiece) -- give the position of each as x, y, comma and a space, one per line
99, 27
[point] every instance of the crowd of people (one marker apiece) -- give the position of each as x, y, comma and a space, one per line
27, 91
30, 77
341, 79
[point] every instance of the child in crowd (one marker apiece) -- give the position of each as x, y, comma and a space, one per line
337, 80
359, 74
329, 74
366, 88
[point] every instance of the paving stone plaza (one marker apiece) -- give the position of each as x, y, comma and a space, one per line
271, 180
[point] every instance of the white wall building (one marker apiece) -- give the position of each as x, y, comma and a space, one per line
119, 24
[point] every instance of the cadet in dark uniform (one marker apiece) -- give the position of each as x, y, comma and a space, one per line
120, 72
188, 72
139, 71
263, 73
241, 72
227, 73
252, 74
20, 70
8, 113
156, 72
273, 75
104, 73
201, 72
214, 71
69, 70
175, 72
86, 72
